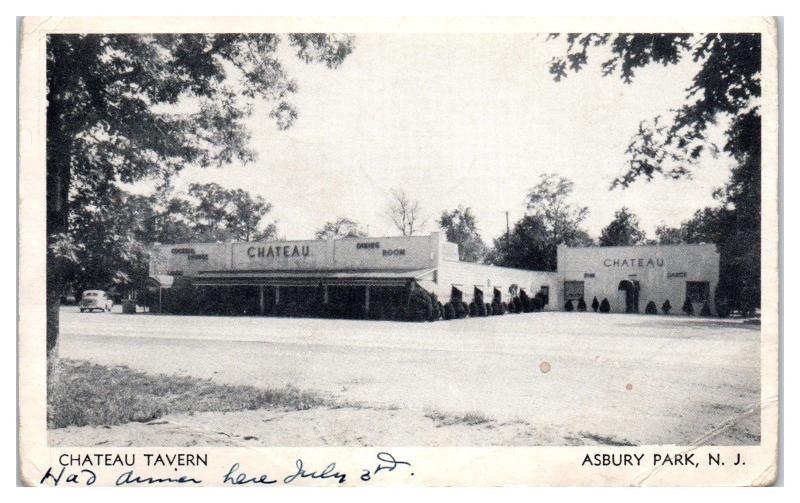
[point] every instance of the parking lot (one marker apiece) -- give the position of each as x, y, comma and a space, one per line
527, 379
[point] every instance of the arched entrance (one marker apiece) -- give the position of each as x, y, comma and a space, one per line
631, 289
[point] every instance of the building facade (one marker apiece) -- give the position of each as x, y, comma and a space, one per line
631, 276
372, 274
362, 272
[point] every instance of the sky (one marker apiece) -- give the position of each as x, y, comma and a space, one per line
469, 120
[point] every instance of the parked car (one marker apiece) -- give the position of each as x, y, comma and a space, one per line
95, 299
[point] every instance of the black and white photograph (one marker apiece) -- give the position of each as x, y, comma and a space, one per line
296, 236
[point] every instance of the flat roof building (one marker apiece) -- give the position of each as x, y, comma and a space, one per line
374, 276
631, 276
367, 272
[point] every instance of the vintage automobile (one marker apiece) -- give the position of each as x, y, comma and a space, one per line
95, 299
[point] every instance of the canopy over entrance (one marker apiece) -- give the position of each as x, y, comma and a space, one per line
311, 278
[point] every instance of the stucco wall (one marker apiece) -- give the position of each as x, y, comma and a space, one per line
662, 272
387, 253
466, 276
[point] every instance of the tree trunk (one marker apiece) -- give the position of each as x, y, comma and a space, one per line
58, 174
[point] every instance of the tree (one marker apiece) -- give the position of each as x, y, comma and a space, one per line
549, 200
341, 228
526, 247
624, 230
726, 89
109, 243
404, 213
551, 221
666, 235
122, 108
461, 227
220, 214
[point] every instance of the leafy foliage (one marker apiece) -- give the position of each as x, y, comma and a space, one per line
725, 90
106, 246
123, 108
342, 227
728, 83
624, 230
461, 227
551, 220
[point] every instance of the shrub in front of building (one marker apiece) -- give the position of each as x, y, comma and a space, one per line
538, 301
461, 309
568, 306
595, 304
525, 302
666, 307
420, 306
497, 307
687, 307
505, 307
705, 310
651, 308
449, 311
605, 307
517, 305
582, 305
487, 309
722, 303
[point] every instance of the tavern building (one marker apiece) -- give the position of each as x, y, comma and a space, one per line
369, 277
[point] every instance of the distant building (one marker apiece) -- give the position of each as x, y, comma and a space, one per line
372, 276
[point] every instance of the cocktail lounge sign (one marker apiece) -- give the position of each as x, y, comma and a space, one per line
634, 262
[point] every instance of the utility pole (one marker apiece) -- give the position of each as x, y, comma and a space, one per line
508, 234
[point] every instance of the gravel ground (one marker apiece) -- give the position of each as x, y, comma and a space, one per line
530, 379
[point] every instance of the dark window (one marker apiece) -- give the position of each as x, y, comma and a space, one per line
573, 290
697, 291
545, 290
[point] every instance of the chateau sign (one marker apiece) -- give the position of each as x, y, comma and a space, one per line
286, 251
634, 262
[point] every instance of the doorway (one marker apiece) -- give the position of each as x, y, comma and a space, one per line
631, 289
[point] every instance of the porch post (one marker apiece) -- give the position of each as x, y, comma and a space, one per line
366, 299
325, 293
277, 294
261, 306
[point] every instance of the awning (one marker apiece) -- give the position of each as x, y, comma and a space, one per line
160, 281
311, 278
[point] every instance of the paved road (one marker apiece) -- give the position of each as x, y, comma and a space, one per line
636, 378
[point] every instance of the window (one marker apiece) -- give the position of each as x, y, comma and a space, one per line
545, 291
697, 291
573, 290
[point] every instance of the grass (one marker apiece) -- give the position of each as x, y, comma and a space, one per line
81, 393
470, 418
606, 439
